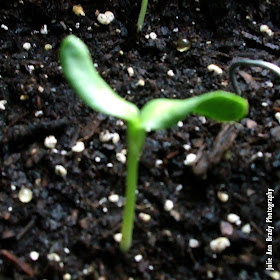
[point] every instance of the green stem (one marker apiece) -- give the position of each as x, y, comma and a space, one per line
142, 15
135, 139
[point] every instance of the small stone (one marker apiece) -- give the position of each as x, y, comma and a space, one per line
226, 228
170, 73
169, 205
78, 10
34, 256
215, 68
190, 159
60, 170
53, 257
105, 136
50, 142
219, 244
223, 196
234, 219
183, 45
48, 47
105, 18
2, 104
118, 237
67, 276
153, 35
138, 258
145, 217
246, 229
78, 147
275, 133
130, 71
25, 195
26, 46
251, 124
140, 83
277, 116
114, 198
121, 157
115, 138
193, 243
275, 275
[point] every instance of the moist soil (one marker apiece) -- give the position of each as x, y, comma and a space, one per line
71, 215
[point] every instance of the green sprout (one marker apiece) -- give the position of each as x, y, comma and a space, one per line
142, 14
156, 114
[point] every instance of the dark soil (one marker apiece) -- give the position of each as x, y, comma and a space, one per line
69, 215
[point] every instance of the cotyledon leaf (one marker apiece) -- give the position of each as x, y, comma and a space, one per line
78, 69
218, 105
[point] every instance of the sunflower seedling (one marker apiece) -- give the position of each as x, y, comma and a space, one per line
142, 14
155, 115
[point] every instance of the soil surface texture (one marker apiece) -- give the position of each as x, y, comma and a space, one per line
68, 229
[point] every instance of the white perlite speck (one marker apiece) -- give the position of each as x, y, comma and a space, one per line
138, 258
223, 196
277, 116
275, 275
153, 35
60, 170
234, 219
193, 243
25, 195
140, 83
67, 276
168, 205
53, 257
144, 217
246, 229
114, 198
2, 104
215, 68
5, 27
115, 138
158, 163
118, 237
219, 244
105, 18
26, 46
50, 142
44, 29
78, 147
130, 71
265, 29
170, 73
34, 256
121, 157
190, 159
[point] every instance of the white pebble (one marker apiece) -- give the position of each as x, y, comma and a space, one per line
115, 138
105, 18
105, 136
60, 170
5, 27
140, 83
169, 205
180, 124
67, 276
223, 196
53, 257
187, 147
25, 195
130, 71
26, 46
78, 147
193, 243
2, 104
219, 244
50, 142
215, 68
265, 29
190, 159
170, 73
138, 258
277, 116
97, 159
158, 163
246, 228
264, 104
114, 198
66, 250
34, 256
275, 275
118, 237
48, 47
234, 219
109, 164
44, 29
121, 157
153, 35
144, 217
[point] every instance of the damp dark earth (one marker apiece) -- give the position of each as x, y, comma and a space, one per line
207, 203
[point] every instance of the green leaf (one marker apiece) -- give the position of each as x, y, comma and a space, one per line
219, 105
88, 84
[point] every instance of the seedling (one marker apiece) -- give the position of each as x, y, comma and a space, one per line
142, 14
249, 63
156, 114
